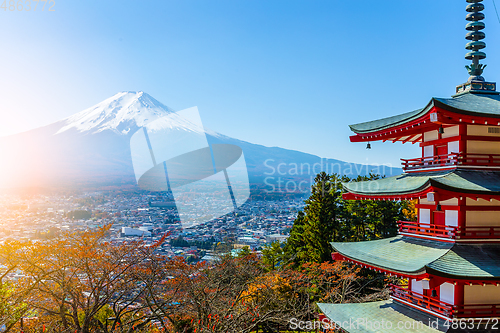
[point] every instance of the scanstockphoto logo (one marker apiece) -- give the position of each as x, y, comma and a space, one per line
363, 324
293, 177
172, 153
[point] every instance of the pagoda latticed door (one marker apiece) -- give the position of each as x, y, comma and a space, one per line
442, 150
439, 218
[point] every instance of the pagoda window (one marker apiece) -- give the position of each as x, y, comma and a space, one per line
451, 218
479, 294
424, 215
428, 151
416, 286
453, 147
447, 293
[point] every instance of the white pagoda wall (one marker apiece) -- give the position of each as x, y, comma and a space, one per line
483, 147
472, 146
450, 132
482, 218
429, 136
476, 218
481, 130
453, 146
481, 202
451, 216
478, 294
472, 217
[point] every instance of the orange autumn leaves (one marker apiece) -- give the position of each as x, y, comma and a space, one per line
81, 282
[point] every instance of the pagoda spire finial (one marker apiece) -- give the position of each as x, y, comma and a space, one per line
476, 82
475, 35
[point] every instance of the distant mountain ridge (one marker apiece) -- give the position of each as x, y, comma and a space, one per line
92, 149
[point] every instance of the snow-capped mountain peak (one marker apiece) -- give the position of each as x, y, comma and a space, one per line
121, 113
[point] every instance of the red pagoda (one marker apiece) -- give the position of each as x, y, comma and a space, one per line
449, 259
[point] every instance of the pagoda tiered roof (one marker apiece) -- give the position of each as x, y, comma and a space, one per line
413, 185
413, 257
413, 254
449, 257
467, 108
468, 262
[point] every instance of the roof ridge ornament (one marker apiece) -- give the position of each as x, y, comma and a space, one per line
476, 82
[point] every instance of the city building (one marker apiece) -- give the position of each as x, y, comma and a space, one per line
127, 231
276, 238
449, 259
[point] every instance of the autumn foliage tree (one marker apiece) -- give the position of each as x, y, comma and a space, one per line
81, 281
232, 295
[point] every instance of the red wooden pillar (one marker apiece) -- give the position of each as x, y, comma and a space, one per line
462, 142
462, 212
459, 293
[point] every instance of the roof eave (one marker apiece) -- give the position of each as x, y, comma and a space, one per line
417, 192
419, 273
421, 113
450, 108
436, 272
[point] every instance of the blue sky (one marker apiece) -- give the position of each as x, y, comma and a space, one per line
289, 73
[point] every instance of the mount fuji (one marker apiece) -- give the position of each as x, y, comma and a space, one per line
91, 149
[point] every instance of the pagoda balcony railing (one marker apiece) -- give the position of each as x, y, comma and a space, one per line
402, 293
486, 232
426, 229
453, 159
477, 310
449, 232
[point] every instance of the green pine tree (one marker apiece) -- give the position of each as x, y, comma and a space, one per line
313, 231
327, 217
